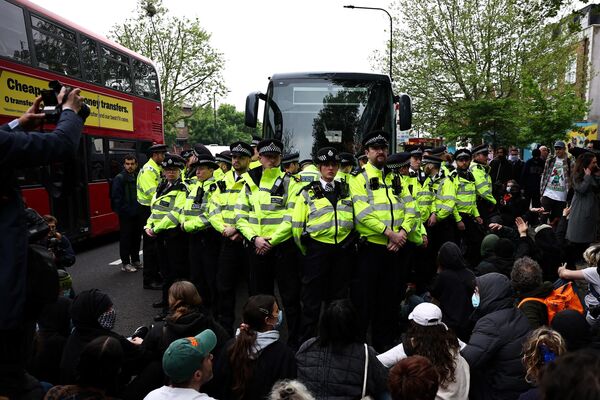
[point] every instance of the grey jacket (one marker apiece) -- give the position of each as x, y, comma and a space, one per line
583, 219
338, 374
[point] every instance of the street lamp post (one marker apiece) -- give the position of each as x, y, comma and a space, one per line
391, 31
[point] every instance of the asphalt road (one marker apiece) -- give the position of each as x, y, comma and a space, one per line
133, 303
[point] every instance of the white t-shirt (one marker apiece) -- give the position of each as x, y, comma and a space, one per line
557, 182
591, 277
171, 393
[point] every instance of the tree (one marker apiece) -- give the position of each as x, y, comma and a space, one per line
227, 128
464, 62
189, 67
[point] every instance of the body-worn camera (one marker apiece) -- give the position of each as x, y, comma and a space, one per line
52, 108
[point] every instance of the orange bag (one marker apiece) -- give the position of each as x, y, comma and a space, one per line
562, 298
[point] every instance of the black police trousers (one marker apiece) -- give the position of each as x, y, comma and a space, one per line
172, 250
326, 270
376, 291
233, 266
203, 251
130, 237
471, 239
151, 258
281, 264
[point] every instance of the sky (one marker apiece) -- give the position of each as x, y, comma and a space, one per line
262, 37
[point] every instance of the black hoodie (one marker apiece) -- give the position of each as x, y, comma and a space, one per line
494, 350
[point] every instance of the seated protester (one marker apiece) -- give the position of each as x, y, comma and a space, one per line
255, 359
542, 347
512, 204
494, 350
592, 277
290, 390
54, 326
332, 365
545, 247
452, 289
58, 244
429, 337
97, 372
526, 280
413, 378
574, 328
573, 376
487, 247
501, 262
188, 364
93, 315
186, 318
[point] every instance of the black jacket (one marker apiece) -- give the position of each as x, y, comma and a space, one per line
124, 195
531, 175
274, 363
494, 350
338, 373
536, 312
20, 149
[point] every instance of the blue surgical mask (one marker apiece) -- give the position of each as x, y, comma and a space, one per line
475, 300
279, 322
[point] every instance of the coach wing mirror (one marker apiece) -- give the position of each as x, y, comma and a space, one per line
251, 116
404, 111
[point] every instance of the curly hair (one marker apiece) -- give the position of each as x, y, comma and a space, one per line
413, 378
526, 275
436, 343
592, 254
540, 348
290, 390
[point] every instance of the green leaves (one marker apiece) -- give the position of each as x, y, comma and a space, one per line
189, 67
227, 128
485, 69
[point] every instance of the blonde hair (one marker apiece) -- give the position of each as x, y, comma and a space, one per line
592, 254
290, 390
183, 298
533, 355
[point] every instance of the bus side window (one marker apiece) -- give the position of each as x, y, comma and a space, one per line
145, 80
96, 160
55, 47
91, 61
117, 73
117, 150
13, 35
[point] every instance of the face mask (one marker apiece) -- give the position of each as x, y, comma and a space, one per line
513, 158
475, 300
277, 324
508, 189
107, 319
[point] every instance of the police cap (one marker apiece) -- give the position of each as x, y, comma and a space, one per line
347, 159
305, 161
270, 146
186, 153
290, 158
376, 138
207, 160
462, 153
199, 148
361, 156
241, 149
398, 160
173, 161
481, 149
255, 141
418, 152
224, 156
438, 151
157, 148
430, 159
327, 154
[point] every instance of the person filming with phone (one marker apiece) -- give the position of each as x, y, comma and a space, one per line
21, 147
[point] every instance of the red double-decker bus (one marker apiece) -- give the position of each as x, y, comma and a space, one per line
120, 87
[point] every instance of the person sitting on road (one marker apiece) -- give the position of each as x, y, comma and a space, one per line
526, 280
290, 390
413, 378
252, 362
573, 327
542, 347
574, 376
97, 372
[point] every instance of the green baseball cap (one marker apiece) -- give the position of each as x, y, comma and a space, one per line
184, 356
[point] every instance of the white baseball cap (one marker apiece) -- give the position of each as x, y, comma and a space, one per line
427, 314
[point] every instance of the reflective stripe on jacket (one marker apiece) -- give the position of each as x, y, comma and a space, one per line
222, 209
147, 181
483, 182
466, 194
196, 208
166, 207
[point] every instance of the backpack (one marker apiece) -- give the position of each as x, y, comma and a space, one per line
561, 298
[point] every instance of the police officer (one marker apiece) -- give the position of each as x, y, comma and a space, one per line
204, 241
308, 171
321, 224
440, 223
164, 225
466, 215
224, 161
266, 200
233, 259
362, 160
483, 182
147, 182
290, 163
381, 223
254, 163
415, 170
347, 164
188, 175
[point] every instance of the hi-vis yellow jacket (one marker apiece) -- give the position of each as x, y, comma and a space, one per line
197, 205
147, 182
166, 206
222, 210
466, 195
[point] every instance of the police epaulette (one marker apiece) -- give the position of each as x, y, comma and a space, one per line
307, 187
212, 187
294, 177
356, 172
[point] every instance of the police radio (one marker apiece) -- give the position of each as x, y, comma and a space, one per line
374, 183
397, 185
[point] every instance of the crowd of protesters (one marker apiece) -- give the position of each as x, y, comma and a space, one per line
478, 325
